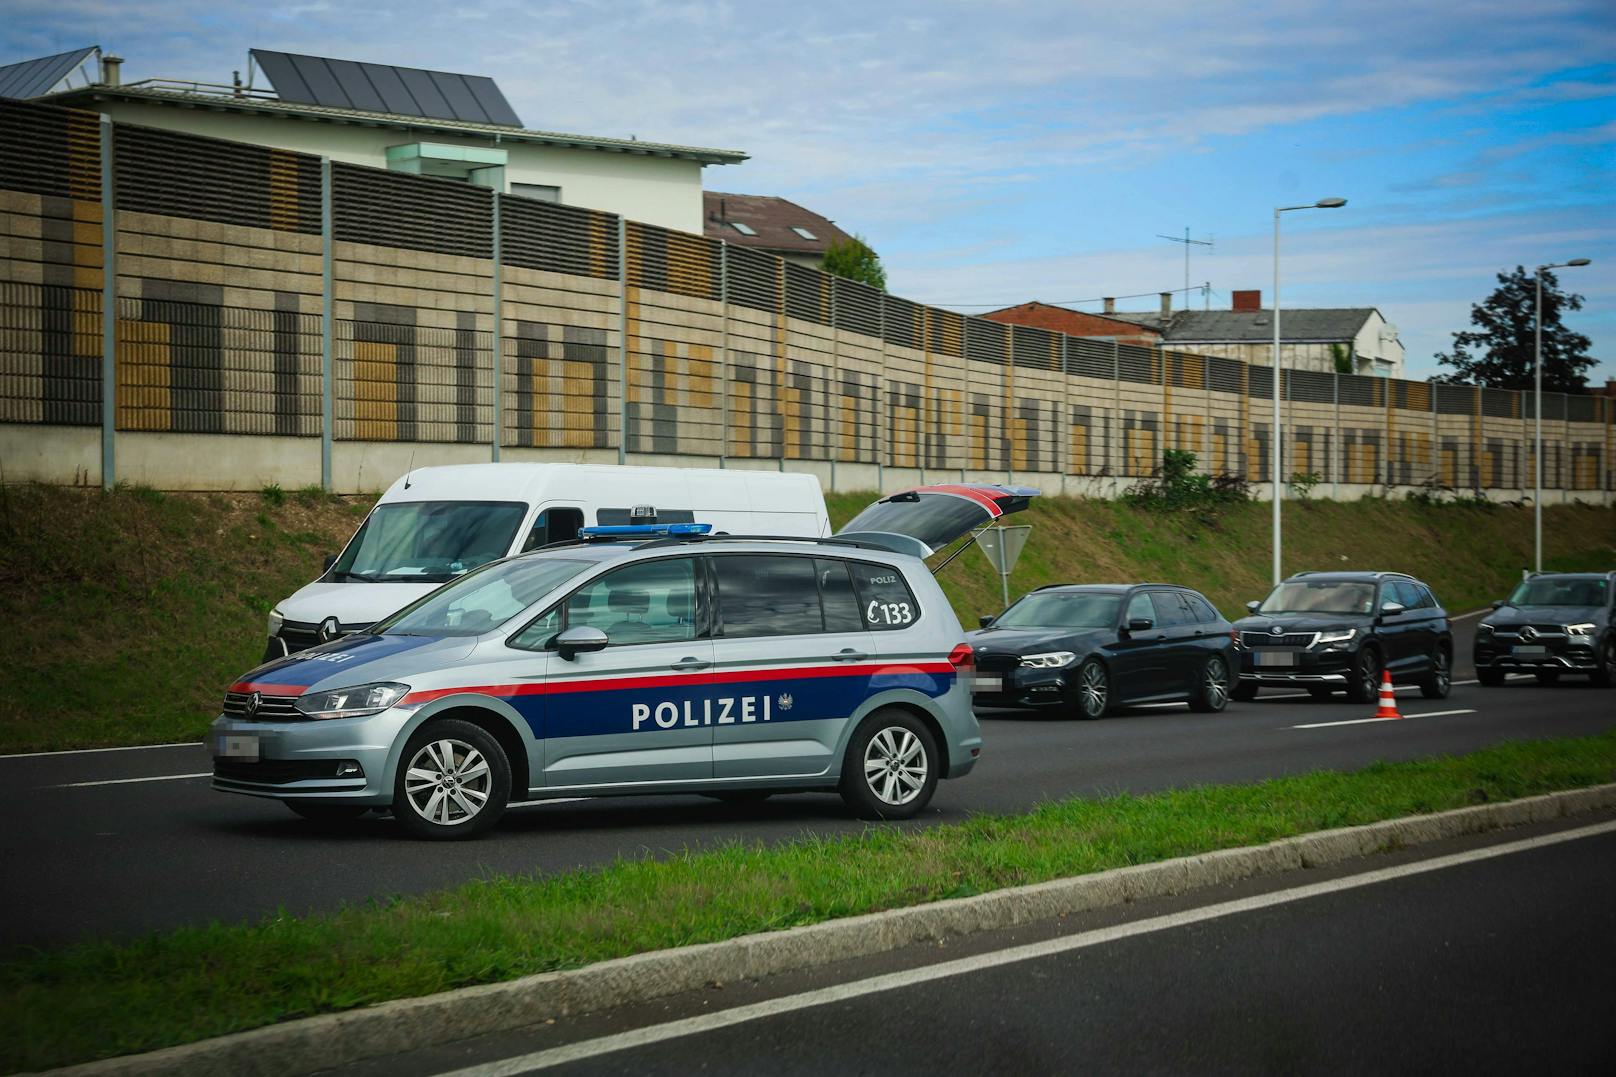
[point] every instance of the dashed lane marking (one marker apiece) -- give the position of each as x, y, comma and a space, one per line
1366, 721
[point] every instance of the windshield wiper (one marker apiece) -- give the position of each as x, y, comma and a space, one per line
360, 576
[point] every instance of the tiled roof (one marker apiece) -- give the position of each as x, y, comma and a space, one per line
771, 219
1321, 324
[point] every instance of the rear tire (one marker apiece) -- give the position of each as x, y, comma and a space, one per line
1548, 676
891, 767
1491, 678
1243, 692
326, 811
453, 781
1436, 683
1092, 696
1363, 683
1211, 692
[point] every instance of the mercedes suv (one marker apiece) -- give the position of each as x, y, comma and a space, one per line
1331, 631
1551, 624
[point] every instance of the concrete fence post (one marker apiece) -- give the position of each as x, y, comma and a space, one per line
622, 340
723, 355
327, 323
109, 314
498, 251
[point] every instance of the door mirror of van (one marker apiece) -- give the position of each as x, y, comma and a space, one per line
985, 620
1253, 606
579, 640
1140, 624
330, 559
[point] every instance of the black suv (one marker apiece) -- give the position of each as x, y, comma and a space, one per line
1552, 624
1083, 650
1326, 631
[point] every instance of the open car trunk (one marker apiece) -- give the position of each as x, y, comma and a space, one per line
924, 520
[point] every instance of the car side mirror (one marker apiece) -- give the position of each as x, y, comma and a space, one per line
330, 559
985, 620
1391, 609
1140, 624
1253, 606
580, 640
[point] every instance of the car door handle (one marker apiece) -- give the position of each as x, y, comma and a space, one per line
848, 654
690, 664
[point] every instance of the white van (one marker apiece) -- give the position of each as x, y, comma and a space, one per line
436, 523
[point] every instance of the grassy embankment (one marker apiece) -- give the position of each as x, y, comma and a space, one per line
131, 611
106, 998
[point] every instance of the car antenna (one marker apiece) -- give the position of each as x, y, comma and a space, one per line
409, 469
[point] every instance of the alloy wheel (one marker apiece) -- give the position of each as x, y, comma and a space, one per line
895, 765
1215, 684
1440, 672
1092, 690
448, 782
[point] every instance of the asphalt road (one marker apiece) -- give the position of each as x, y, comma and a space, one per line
1488, 954
155, 847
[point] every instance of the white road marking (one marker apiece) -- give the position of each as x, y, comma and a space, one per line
709, 1022
1467, 616
87, 751
128, 781
1364, 721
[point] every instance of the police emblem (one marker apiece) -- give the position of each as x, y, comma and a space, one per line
785, 701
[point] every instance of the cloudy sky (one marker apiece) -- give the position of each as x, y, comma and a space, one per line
999, 152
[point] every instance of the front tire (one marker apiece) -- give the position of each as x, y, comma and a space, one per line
891, 767
1093, 693
453, 782
1436, 683
1211, 692
1363, 684
1604, 674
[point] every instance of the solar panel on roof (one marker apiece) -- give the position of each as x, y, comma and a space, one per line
32, 78
402, 91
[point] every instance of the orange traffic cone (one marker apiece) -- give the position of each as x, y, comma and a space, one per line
1388, 698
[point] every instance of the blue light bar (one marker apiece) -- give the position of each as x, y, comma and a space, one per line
642, 530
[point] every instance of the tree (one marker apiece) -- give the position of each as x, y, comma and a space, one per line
853, 259
1498, 351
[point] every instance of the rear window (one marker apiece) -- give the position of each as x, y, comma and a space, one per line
885, 601
1170, 609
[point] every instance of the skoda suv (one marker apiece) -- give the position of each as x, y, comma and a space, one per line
1337, 631
1551, 624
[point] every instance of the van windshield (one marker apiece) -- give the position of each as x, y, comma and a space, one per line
428, 541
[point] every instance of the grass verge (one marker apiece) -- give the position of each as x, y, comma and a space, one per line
107, 998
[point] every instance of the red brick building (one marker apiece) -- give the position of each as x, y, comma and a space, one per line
1077, 323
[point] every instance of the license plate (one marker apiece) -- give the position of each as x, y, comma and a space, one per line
237, 746
1276, 658
1535, 651
987, 684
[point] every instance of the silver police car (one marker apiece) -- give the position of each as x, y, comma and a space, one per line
634, 660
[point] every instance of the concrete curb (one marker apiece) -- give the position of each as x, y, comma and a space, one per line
317, 1043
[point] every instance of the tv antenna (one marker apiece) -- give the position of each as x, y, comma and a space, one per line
1188, 243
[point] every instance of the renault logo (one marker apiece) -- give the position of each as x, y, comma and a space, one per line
329, 629
253, 703
1528, 632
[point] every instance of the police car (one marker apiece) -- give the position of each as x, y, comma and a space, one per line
634, 660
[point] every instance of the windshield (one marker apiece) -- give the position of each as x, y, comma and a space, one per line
428, 541
1069, 610
1542, 592
1320, 596
481, 601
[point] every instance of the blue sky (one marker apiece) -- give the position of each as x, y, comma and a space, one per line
999, 152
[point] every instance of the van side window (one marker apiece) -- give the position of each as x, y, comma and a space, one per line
836, 595
553, 525
767, 595
649, 602
885, 601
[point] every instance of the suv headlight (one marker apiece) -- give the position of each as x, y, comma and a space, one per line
1586, 629
1051, 660
275, 622
1343, 635
355, 702
1484, 629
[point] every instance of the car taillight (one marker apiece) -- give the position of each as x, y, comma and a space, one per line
962, 658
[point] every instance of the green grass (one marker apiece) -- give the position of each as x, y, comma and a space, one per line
137, 607
107, 998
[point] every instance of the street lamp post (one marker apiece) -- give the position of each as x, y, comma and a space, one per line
1273, 435
1537, 410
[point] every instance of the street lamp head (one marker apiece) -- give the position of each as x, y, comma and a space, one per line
1579, 261
1330, 203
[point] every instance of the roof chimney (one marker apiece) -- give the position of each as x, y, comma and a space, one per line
1110, 304
110, 68
1248, 300
1167, 304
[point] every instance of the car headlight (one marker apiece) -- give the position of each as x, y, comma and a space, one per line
1341, 636
1586, 629
1484, 629
1051, 660
355, 702
275, 622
